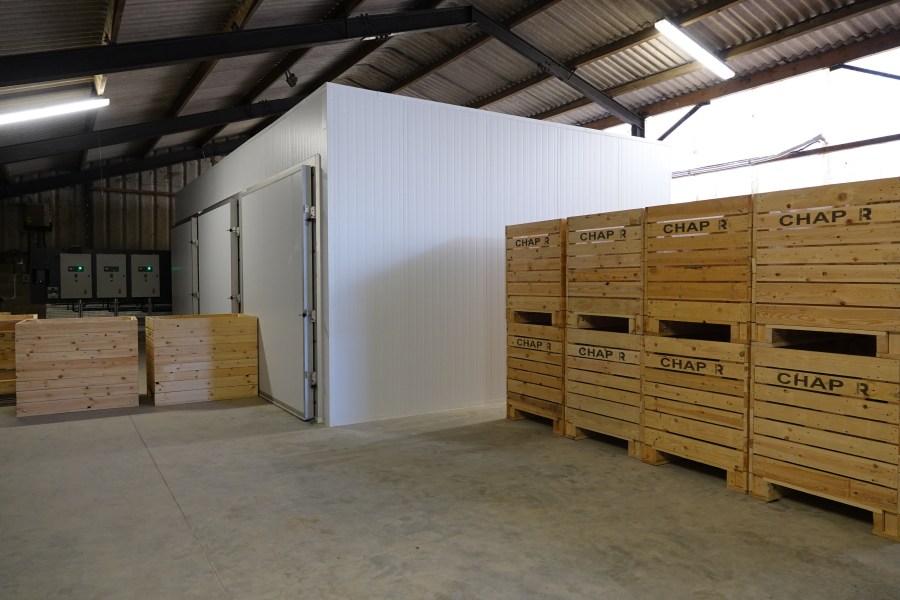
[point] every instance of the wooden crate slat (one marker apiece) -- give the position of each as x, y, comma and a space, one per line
199, 358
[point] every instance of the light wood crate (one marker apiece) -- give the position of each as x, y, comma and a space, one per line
696, 403
698, 259
829, 257
604, 271
69, 365
8, 350
826, 424
196, 358
536, 304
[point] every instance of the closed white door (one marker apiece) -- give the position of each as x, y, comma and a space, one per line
217, 271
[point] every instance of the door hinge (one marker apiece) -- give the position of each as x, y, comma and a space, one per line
235, 297
313, 379
312, 316
310, 212
235, 230
195, 243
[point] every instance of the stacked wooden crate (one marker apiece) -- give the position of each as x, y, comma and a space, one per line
826, 346
196, 358
604, 265
8, 350
535, 320
67, 365
696, 334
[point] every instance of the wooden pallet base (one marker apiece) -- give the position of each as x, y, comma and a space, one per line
885, 524
517, 410
735, 479
578, 423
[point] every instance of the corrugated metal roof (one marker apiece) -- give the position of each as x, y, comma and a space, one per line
639, 75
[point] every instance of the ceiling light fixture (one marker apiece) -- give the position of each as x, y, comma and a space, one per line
680, 39
52, 111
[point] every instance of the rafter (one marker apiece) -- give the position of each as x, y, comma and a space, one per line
523, 15
824, 60
119, 168
21, 69
629, 41
236, 22
804, 27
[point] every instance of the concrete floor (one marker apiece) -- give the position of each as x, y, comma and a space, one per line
240, 500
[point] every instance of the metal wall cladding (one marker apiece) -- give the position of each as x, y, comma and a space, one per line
419, 195
132, 212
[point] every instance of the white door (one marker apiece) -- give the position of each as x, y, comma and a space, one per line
216, 252
184, 268
277, 272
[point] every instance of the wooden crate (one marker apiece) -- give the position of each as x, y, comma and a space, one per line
8, 350
826, 422
698, 261
829, 257
696, 399
536, 304
195, 358
604, 271
68, 365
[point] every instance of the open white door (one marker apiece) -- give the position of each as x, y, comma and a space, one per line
217, 250
277, 270
184, 268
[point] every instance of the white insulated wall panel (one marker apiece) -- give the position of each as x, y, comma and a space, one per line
419, 195
295, 137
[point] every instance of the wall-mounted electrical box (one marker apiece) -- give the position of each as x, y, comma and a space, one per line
75, 276
145, 282
111, 278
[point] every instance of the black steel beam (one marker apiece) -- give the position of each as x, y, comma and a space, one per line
684, 118
77, 62
866, 71
557, 69
130, 133
122, 168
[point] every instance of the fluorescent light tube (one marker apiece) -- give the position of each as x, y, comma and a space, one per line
52, 111
680, 39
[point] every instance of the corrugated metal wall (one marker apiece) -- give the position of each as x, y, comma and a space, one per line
131, 212
419, 194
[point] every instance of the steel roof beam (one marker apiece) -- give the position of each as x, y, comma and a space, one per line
24, 69
119, 168
557, 69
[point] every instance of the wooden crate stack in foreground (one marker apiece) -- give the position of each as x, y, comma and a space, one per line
604, 266
196, 358
535, 320
696, 334
826, 346
68, 365
8, 350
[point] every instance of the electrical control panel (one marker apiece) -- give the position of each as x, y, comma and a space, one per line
111, 277
75, 276
145, 280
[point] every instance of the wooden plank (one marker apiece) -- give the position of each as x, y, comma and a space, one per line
534, 241
739, 223
100, 381
536, 378
739, 256
625, 430
90, 391
719, 291
841, 194
604, 261
841, 405
736, 403
828, 385
822, 274
835, 487
603, 366
630, 384
735, 205
608, 408
697, 430
701, 312
535, 406
605, 289
533, 276
697, 450
611, 275
840, 365
603, 393
535, 355
534, 391
730, 387
522, 364
691, 245
216, 349
862, 254
204, 384
807, 436
535, 304
598, 353
607, 339
612, 307
207, 365
864, 428
719, 351
736, 273
51, 407
536, 228
836, 317
541, 332
832, 236
862, 469
830, 294
226, 393
535, 289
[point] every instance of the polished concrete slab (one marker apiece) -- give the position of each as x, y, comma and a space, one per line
240, 500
